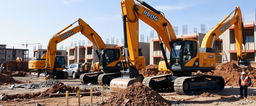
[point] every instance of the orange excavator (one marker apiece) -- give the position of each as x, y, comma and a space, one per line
185, 55
131, 14
235, 19
110, 58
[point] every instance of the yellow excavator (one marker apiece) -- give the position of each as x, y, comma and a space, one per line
131, 14
185, 55
110, 57
204, 58
221, 27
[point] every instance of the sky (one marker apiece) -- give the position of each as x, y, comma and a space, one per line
36, 21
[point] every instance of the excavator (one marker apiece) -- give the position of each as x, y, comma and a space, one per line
185, 55
110, 57
204, 58
221, 27
131, 14
38, 64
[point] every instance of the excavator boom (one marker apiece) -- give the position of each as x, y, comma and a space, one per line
109, 57
84, 28
222, 26
156, 20
132, 12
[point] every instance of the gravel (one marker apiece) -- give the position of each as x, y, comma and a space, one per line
47, 83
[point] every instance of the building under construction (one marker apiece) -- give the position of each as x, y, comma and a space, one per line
229, 49
81, 54
8, 54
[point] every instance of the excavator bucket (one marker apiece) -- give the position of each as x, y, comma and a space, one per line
119, 84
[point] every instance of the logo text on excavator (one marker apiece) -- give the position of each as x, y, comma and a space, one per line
225, 27
149, 15
67, 34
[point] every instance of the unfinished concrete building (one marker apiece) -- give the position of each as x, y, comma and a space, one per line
8, 54
156, 53
39, 52
90, 54
76, 54
80, 54
229, 49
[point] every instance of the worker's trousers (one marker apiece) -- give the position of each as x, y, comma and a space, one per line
243, 91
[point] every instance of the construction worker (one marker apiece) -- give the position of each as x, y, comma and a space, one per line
244, 82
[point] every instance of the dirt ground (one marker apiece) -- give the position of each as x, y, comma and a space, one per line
134, 94
229, 96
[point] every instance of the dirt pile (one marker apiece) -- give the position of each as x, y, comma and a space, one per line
16, 66
56, 88
137, 94
59, 88
152, 70
231, 73
5, 79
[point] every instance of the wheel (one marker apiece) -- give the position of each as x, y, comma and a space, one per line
74, 75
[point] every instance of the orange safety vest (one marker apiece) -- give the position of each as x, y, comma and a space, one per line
245, 81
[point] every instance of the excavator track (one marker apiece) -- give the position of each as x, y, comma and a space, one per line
98, 78
186, 84
90, 77
180, 85
160, 83
105, 78
198, 84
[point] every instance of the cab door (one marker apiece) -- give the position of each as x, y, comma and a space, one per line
189, 53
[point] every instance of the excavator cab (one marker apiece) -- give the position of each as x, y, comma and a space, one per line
59, 65
60, 62
108, 58
182, 52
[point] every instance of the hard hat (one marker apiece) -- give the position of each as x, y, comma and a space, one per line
243, 72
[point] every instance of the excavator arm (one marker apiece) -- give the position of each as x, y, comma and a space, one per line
185, 56
84, 28
221, 27
132, 12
